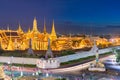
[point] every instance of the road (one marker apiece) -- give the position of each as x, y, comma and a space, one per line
59, 70
32, 61
75, 68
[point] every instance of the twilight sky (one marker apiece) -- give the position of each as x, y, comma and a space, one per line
71, 16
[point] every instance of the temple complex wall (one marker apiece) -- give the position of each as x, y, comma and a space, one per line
78, 55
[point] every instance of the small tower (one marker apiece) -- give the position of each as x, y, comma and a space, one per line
29, 30
10, 44
35, 29
53, 33
49, 51
20, 29
94, 49
44, 31
30, 51
97, 65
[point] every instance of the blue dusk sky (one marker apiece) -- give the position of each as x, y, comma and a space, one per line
70, 16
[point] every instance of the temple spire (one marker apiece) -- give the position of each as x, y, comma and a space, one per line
35, 29
53, 33
20, 29
44, 31
10, 43
29, 30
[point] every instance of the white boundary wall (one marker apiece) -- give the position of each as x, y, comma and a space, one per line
82, 55
78, 55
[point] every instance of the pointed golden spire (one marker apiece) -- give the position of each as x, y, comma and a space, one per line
44, 31
29, 30
35, 29
53, 33
20, 29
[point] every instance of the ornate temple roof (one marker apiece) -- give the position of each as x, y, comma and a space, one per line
11, 33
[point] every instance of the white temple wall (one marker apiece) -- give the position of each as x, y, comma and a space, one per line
78, 55
83, 54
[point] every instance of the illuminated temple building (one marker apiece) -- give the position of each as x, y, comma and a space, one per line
19, 40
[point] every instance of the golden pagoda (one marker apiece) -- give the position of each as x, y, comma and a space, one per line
20, 29
35, 29
29, 30
53, 33
44, 31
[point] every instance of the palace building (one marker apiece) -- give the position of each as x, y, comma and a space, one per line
19, 40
